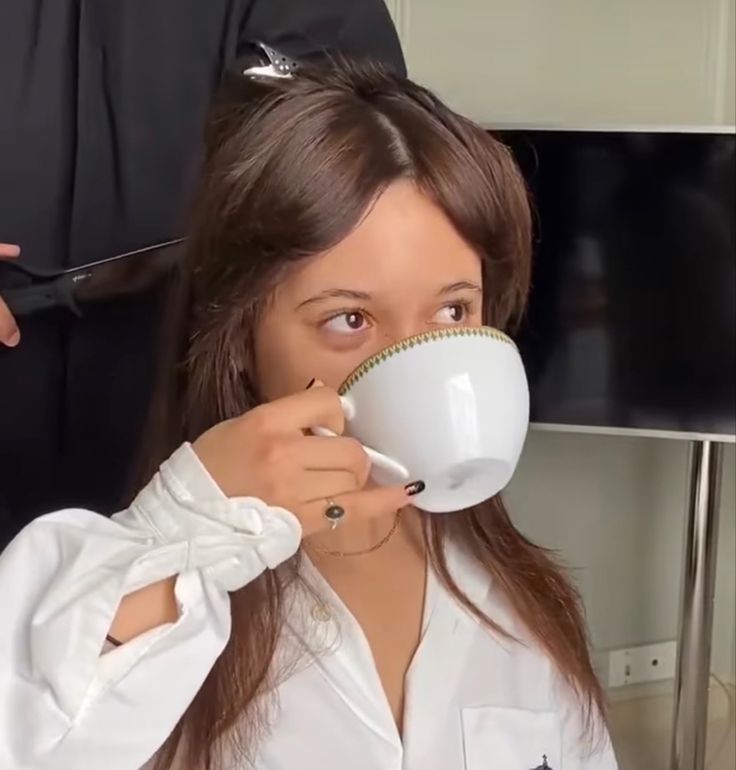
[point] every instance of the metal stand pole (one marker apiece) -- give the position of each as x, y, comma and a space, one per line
696, 620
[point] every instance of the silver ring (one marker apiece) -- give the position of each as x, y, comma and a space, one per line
334, 513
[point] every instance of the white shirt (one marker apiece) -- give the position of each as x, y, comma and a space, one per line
474, 701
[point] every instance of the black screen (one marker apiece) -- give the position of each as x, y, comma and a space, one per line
632, 316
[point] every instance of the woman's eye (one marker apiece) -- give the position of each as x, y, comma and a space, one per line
452, 314
347, 323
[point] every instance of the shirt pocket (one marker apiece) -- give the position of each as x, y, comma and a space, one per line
511, 739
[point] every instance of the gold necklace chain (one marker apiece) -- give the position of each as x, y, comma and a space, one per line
375, 547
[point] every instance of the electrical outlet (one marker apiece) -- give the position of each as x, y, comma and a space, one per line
649, 663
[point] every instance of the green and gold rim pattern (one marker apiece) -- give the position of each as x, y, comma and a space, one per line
420, 339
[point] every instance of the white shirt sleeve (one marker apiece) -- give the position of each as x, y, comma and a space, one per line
63, 705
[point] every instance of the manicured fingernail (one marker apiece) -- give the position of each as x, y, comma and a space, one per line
311, 382
14, 339
415, 488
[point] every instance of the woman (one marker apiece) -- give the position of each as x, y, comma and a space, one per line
340, 211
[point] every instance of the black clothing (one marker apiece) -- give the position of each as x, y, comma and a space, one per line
102, 106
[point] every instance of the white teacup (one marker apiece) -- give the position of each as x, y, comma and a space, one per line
448, 407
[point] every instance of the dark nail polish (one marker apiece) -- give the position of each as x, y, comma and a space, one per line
415, 488
311, 382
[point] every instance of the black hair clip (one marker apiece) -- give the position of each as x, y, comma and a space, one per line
265, 61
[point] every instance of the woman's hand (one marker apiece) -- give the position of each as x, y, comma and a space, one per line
9, 332
266, 454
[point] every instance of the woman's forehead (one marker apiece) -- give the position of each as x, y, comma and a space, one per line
404, 239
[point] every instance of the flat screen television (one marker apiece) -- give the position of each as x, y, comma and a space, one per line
631, 324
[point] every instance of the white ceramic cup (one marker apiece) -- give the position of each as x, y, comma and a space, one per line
449, 407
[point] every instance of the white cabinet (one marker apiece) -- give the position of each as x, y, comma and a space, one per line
575, 62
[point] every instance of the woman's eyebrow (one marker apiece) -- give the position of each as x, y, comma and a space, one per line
363, 296
336, 294
459, 286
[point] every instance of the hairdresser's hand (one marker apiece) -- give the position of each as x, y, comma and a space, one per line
9, 333
266, 454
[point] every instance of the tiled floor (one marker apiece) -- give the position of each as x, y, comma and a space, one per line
641, 732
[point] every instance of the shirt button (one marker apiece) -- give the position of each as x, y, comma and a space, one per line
321, 613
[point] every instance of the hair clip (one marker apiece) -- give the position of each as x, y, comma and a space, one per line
268, 62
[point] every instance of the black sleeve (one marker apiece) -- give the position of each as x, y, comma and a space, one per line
360, 29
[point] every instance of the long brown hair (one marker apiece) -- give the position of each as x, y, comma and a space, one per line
292, 167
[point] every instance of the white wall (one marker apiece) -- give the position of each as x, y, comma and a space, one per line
615, 510
575, 61
614, 507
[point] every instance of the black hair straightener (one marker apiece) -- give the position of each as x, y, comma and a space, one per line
27, 290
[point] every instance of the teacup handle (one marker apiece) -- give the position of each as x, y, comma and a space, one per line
385, 463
